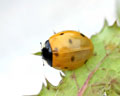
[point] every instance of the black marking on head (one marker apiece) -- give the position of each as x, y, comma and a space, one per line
56, 54
70, 41
82, 34
85, 61
61, 33
47, 53
72, 58
65, 67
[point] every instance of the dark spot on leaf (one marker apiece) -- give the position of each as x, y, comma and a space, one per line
48, 88
82, 34
72, 58
103, 68
95, 54
70, 41
61, 33
55, 88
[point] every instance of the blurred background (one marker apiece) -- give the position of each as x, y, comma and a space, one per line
26, 23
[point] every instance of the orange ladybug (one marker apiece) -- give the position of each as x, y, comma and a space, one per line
67, 50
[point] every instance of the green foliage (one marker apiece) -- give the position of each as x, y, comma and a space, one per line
101, 72
37, 53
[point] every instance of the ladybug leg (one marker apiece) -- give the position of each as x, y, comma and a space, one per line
73, 76
86, 65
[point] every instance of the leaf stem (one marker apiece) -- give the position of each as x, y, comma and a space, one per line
84, 87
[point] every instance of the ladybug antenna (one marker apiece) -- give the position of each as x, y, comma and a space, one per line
41, 45
54, 32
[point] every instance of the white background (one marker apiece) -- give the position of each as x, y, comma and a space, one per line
26, 23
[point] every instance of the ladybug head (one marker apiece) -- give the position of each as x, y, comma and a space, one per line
47, 53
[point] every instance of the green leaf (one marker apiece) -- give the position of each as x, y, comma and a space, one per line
118, 11
100, 74
37, 53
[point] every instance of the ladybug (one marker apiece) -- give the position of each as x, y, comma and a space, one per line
67, 50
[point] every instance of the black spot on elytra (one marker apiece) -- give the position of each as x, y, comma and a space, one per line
61, 33
70, 41
72, 58
82, 34
56, 54
65, 67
